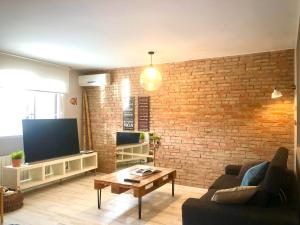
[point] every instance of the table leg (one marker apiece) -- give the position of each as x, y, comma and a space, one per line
173, 187
140, 207
99, 198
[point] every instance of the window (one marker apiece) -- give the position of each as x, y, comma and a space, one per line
16, 105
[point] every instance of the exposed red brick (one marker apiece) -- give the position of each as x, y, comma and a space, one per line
209, 113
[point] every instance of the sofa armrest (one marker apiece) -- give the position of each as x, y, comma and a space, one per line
190, 212
233, 169
204, 212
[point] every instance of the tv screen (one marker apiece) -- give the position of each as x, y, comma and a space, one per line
125, 138
49, 138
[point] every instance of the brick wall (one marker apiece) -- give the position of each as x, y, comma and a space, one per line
209, 113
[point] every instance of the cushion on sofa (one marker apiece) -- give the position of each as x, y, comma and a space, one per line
255, 174
236, 195
226, 181
233, 169
246, 167
260, 198
274, 178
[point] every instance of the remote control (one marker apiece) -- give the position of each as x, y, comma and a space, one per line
131, 180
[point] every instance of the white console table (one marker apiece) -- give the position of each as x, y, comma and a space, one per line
49, 170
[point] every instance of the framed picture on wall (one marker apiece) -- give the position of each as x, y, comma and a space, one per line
128, 115
144, 113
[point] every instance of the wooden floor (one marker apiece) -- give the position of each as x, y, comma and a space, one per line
74, 202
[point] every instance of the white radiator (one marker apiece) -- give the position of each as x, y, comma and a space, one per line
4, 161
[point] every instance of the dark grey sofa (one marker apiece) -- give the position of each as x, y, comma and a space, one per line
265, 208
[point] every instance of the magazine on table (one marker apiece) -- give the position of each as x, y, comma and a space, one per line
144, 171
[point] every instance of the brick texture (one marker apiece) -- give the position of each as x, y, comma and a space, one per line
209, 113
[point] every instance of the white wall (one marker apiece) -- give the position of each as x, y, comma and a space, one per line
297, 105
297, 101
74, 111
9, 144
297, 81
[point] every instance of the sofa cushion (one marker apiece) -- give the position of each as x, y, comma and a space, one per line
260, 198
274, 178
226, 181
255, 174
236, 195
232, 169
246, 167
290, 189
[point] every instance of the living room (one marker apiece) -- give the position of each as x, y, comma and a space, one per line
156, 112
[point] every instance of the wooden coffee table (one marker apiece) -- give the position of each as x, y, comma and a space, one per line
147, 183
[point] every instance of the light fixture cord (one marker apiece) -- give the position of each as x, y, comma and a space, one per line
151, 53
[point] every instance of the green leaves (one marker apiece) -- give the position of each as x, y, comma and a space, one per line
17, 154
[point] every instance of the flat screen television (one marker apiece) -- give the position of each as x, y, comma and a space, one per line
49, 138
125, 138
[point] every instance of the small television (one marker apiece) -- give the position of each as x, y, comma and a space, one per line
49, 138
126, 138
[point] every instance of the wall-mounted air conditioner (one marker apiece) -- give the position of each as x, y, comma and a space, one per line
102, 79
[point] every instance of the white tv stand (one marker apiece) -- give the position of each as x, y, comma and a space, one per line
48, 171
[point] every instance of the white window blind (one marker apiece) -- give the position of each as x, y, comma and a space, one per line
20, 73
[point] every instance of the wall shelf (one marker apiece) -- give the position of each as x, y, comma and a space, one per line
48, 171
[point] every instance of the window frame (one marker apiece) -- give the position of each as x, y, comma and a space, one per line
58, 110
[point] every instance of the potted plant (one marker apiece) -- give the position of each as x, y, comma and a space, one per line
16, 158
155, 140
142, 137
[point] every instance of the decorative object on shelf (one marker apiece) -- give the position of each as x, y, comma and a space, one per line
73, 101
144, 171
142, 137
154, 143
12, 200
16, 158
144, 113
150, 78
154, 140
128, 115
276, 93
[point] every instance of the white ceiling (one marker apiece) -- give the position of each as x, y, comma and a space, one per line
117, 33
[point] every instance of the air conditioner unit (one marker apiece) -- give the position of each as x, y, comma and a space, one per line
94, 80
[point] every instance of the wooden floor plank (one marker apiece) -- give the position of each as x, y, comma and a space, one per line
74, 202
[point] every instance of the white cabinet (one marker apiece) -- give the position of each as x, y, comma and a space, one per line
48, 171
133, 152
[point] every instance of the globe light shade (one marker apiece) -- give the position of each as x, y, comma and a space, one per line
150, 79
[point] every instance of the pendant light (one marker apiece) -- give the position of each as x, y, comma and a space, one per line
150, 78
